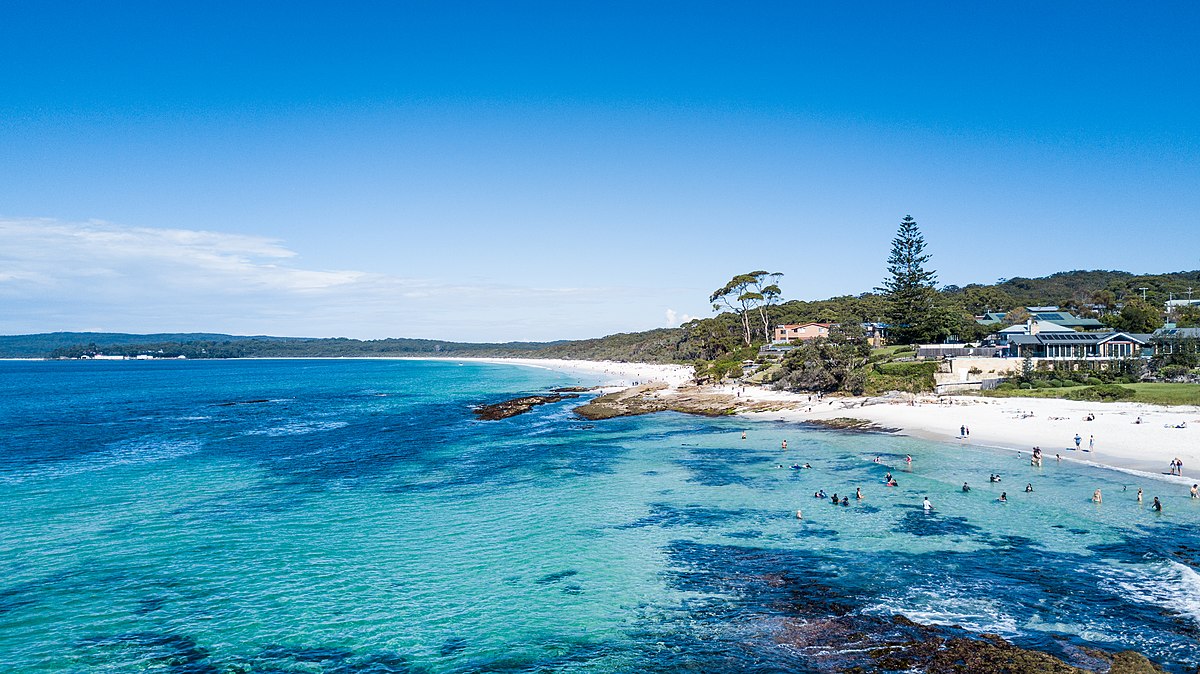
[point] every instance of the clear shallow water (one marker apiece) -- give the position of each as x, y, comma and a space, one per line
351, 516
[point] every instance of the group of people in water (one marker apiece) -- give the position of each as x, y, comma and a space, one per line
993, 478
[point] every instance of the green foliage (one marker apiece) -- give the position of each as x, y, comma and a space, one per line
914, 307
749, 295
834, 363
1102, 393
1173, 371
1137, 316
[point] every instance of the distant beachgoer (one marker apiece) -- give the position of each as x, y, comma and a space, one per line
1078, 441
1097, 497
1058, 458
968, 431
785, 444
799, 514
1157, 506
1172, 471
887, 477
907, 458
743, 435
1003, 497
877, 459
893, 483
858, 493
966, 488
1029, 488
807, 466
795, 466
1139, 494
1090, 417
1139, 420
927, 505
1196, 491
1091, 442
962, 431
845, 500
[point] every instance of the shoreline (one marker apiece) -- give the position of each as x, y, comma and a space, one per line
1012, 424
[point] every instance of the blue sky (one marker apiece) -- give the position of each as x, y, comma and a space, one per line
496, 171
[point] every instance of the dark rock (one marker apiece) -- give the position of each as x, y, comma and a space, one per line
511, 408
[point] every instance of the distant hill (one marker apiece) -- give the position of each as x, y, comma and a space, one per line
708, 338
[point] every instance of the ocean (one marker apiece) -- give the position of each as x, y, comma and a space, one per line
204, 517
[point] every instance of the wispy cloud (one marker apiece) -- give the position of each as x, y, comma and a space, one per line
57, 275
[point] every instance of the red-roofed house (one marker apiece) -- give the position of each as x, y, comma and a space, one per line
801, 331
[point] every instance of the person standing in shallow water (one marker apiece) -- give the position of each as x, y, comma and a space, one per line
1097, 497
1139, 494
1156, 506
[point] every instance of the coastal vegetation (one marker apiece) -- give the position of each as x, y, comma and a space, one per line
1153, 393
748, 307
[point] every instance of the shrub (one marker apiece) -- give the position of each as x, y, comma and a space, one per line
1093, 381
1026, 386
1006, 386
1102, 393
1172, 371
907, 369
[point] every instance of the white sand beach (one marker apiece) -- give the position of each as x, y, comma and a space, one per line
1114, 438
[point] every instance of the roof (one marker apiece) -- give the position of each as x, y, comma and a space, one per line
1177, 333
1080, 338
804, 325
1043, 326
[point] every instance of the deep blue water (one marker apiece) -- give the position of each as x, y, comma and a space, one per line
352, 516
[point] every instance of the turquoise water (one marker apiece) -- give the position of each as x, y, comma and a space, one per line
352, 516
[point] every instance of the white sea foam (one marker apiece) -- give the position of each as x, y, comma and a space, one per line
298, 428
1166, 584
976, 613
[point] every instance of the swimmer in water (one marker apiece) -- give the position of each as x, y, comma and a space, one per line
1029, 488
858, 493
1003, 497
845, 500
1139, 494
966, 488
799, 514
927, 505
1097, 497
785, 444
743, 435
907, 458
1157, 506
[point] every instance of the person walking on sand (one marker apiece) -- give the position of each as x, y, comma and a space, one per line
962, 431
1078, 440
1091, 443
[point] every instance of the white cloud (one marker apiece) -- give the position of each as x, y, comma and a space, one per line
675, 319
57, 275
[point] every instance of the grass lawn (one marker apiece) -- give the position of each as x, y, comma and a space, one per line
1156, 394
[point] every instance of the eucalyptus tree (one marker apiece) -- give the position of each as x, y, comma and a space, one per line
744, 294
